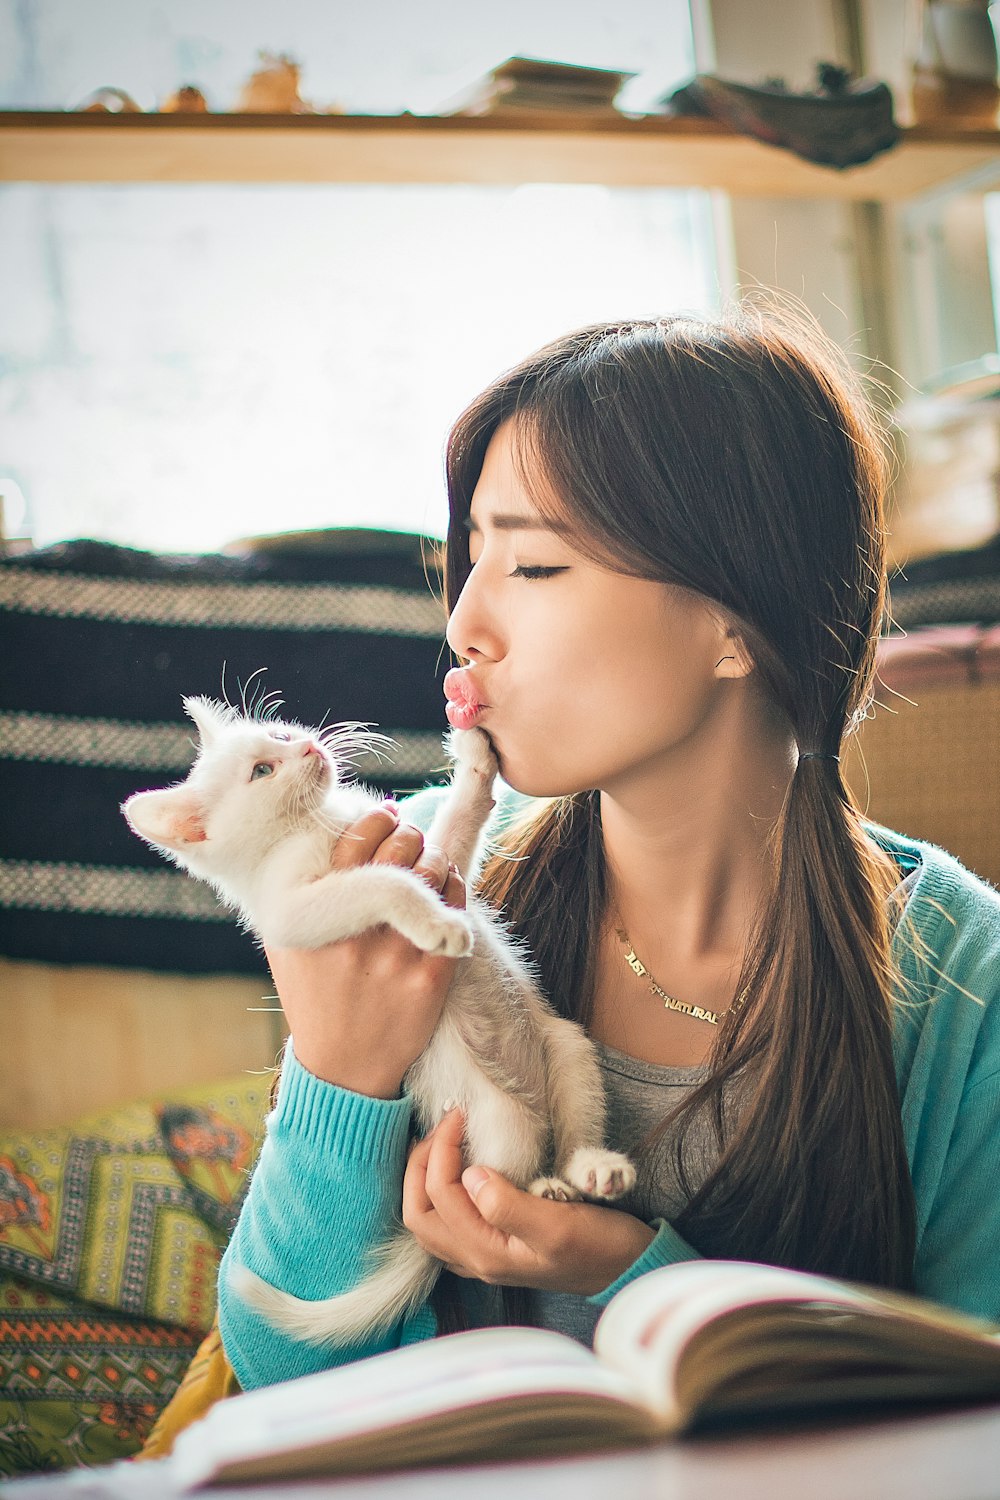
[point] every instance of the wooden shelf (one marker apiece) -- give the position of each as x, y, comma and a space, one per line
620, 151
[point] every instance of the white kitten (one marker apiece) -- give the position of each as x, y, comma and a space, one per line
258, 818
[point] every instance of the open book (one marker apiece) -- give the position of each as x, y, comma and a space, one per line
689, 1343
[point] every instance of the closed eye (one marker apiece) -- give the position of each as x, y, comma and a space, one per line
279, 734
262, 768
522, 571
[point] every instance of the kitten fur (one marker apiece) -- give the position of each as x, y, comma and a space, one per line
258, 817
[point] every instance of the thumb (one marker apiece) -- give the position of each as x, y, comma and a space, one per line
498, 1201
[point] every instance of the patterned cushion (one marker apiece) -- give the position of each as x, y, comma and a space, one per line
110, 1235
209, 1378
78, 1384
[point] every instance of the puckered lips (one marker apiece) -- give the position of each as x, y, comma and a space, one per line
464, 704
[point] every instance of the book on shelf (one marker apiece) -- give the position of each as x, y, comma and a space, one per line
702, 1342
532, 83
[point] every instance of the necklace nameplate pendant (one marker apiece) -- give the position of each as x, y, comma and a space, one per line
635, 963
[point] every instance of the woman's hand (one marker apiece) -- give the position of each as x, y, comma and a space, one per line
480, 1225
363, 1009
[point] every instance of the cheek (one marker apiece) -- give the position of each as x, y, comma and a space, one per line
583, 728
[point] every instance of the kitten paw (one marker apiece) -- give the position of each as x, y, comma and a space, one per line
471, 748
555, 1188
600, 1174
455, 940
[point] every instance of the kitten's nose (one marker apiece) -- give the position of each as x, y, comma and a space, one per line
311, 748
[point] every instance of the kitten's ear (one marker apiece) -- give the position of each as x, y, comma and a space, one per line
209, 717
171, 818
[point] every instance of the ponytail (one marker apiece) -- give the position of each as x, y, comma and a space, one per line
814, 1175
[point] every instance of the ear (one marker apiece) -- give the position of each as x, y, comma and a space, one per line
171, 818
735, 660
209, 717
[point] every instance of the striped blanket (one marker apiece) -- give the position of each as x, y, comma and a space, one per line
97, 645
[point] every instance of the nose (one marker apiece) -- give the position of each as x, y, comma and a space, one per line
311, 748
472, 626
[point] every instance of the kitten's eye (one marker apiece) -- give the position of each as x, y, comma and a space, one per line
262, 768
277, 734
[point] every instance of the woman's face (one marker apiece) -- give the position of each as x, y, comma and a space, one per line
589, 678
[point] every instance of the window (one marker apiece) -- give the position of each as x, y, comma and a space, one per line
185, 365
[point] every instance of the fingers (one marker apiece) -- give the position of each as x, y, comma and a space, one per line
432, 866
438, 1210
443, 1177
380, 838
446, 1136
416, 1203
436, 1207
505, 1207
480, 1225
403, 847
360, 840
476, 1200
453, 891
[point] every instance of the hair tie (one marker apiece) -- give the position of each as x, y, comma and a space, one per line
817, 755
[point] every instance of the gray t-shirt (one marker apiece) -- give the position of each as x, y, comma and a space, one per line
639, 1095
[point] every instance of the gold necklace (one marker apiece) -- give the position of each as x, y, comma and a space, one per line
698, 1012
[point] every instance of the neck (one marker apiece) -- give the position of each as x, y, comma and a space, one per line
687, 845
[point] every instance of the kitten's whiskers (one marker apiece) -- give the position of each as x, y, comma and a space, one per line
351, 739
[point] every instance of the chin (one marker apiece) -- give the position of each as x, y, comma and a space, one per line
533, 780
538, 783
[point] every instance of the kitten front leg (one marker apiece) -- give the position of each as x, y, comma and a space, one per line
343, 903
458, 825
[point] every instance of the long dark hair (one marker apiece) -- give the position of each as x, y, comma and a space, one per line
741, 459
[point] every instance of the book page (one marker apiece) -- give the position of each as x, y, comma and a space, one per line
650, 1323
647, 1326
682, 1332
389, 1391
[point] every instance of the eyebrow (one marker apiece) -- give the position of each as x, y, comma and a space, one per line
512, 521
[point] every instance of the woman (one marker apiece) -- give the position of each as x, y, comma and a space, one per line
666, 580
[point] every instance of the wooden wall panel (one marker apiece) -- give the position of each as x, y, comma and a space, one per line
933, 770
77, 1039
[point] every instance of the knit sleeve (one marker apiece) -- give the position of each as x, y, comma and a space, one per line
667, 1249
958, 1252
951, 1104
327, 1188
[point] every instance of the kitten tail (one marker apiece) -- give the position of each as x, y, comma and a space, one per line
404, 1276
